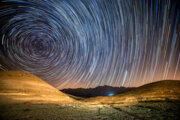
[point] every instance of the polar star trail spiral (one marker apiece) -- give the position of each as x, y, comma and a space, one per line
86, 43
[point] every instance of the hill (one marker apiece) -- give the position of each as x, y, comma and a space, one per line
17, 86
166, 90
34, 99
97, 91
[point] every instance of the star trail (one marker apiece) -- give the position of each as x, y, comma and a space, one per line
87, 43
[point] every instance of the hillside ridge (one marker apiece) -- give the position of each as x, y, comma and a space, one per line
23, 86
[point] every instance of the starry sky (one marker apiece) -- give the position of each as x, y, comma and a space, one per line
87, 43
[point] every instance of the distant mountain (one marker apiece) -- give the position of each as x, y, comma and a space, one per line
165, 90
98, 91
19, 86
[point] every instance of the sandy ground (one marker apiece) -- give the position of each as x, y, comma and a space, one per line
86, 111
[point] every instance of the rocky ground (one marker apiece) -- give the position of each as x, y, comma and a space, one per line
139, 111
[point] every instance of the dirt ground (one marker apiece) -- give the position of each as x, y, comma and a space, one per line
87, 111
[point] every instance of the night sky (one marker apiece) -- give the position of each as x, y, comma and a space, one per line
87, 43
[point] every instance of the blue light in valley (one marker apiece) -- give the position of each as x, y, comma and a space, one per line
110, 94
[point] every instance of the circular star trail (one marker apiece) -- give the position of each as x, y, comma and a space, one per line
86, 43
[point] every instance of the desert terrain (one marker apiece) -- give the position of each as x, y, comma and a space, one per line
24, 96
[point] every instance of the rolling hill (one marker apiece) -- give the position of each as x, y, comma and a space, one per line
30, 98
166, 90
17, 86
